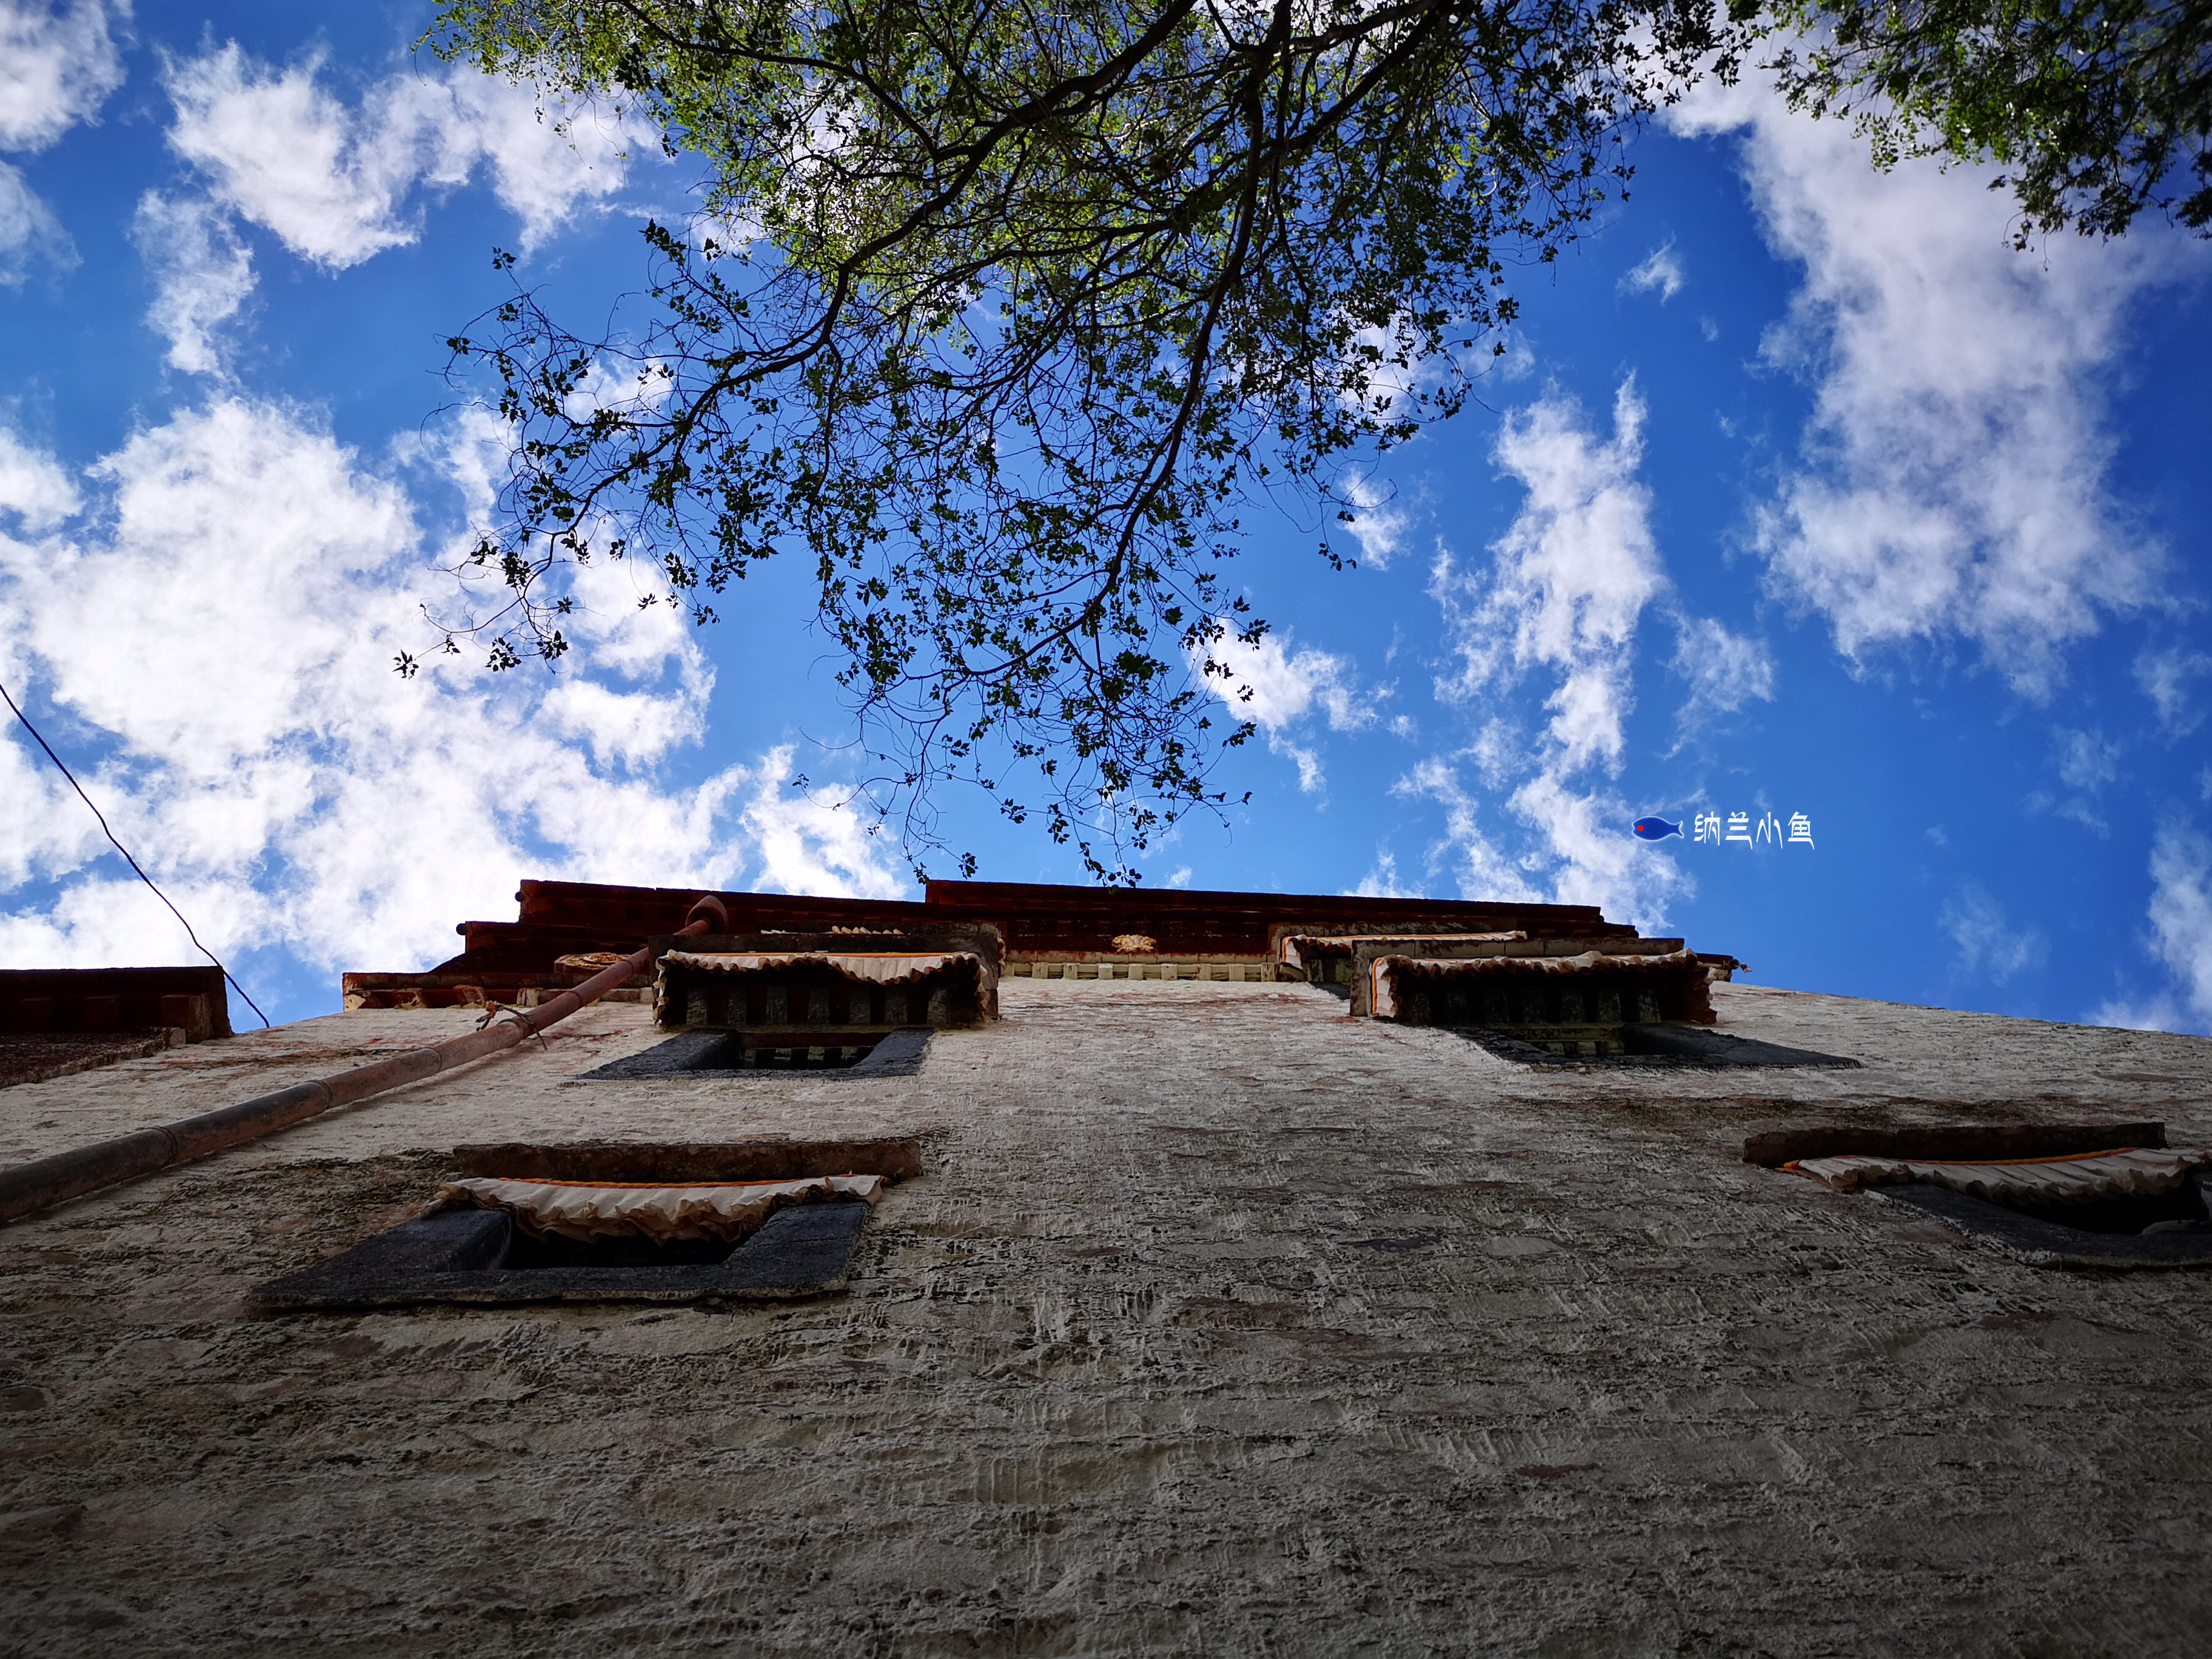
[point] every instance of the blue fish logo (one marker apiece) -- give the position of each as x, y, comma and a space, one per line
1655, 829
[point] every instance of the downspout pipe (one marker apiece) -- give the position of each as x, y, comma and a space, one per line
27, 1188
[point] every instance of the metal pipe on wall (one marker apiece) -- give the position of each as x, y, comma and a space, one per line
44, 1183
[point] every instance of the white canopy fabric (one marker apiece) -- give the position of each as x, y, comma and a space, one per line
885, 967
589, 1210
2124, 1172
1382, 971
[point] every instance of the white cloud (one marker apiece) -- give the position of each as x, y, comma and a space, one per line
1660, 273
29, 233
1570, 578
2086, 760
34, 490
221, 653
2181, 936
2168, 678
631, 388
1381, 881
1564, 594
333, 183
1277, 690
545, 162
1482, 871
1586, 855
1954, 476
1725, 671
618, 726
1987, 944
281, 151
1306, 758
1389, 376
810, 840
725, 233
57, 64
1272, 686
1378, 526
1594, 858
1501, 752
202, 274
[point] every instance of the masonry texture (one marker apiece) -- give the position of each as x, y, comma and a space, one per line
1218, 1322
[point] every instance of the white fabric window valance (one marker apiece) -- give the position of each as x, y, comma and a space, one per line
1384, 971
588, 1210
2123, 1172
884, 967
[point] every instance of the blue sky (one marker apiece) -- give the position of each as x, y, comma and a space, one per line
1797, 492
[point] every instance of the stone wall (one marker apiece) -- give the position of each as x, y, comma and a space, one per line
1220, 1323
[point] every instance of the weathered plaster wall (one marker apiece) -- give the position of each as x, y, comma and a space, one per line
1220, 1324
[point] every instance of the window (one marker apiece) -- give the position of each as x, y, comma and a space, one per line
2101, 1195
599, 1222
1641, 1045
857, 1055
1614, 999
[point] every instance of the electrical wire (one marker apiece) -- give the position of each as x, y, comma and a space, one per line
126, 851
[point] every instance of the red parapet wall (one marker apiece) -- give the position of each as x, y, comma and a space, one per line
1038, 921
92, 1002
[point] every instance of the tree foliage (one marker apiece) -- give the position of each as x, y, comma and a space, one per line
2095, 109
1001, 313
